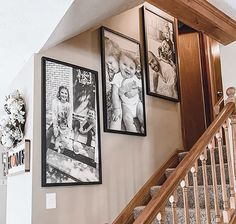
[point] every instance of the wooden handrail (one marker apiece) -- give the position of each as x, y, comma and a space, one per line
158, 201
218, 105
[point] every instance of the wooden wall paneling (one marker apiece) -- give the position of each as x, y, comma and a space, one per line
191, 87
207, 87
213, 71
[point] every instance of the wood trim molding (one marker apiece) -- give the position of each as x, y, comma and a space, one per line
202, 16
143, 195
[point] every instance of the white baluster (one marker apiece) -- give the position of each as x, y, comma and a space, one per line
233, 125
196, 193
203, 159
214, 180
173, 201
232, 99
230, 166
159, 218
226, 213
184, 186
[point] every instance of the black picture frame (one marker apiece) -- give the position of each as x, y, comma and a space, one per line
71, 145
125, 48
165, 82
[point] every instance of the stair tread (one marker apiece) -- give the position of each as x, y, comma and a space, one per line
199, 167
180, 215
180, 203
181, 155
141, 208
169, 171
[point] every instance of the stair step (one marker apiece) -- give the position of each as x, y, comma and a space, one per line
180, 202
181, 155
191, 204
169, 171
180, 215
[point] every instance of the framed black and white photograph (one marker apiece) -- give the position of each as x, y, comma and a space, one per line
160, 56
123, 88
70, 125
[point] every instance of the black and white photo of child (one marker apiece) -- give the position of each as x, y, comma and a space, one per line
61, 119
161, 56
72, 153
124, 85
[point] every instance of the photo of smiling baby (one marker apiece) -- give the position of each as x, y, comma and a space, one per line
122, 84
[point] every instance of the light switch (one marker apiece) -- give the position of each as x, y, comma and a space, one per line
51, 200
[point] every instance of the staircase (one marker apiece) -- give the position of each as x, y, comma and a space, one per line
196, 186
191, 204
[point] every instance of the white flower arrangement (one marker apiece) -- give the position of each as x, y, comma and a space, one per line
13, 123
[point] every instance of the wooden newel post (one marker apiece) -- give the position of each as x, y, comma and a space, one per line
232, 99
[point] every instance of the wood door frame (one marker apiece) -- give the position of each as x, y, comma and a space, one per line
209, 47
192, 105
208, 80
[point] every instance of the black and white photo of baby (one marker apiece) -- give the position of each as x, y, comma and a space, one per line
124, 85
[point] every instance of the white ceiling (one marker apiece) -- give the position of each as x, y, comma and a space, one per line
227, 6
83, 15
24, 28
30, 26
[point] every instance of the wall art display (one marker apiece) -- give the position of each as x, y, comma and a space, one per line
70, 125
160, 56
13, 123
123, 88
18, 159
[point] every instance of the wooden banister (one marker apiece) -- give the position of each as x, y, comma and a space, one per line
170, 185
218, 106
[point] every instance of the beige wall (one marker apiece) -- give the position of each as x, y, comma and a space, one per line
127, 161
3, 191
19, 187
228, 65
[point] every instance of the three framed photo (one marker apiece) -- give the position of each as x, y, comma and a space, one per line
161, 60
71, 153
123, 84
70, 125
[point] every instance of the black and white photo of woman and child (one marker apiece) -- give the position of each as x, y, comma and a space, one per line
161, 56
72, 150
124, 86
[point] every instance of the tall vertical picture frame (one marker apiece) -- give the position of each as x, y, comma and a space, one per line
71, 152
161, 60
123, 84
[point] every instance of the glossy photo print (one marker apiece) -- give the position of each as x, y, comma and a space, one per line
70, 125
123, 92
160, 56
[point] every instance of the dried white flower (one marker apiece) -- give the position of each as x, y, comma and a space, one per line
12, 124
